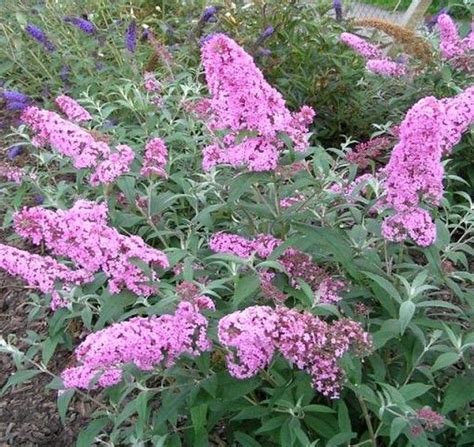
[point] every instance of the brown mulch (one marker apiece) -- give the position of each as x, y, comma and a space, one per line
28, 412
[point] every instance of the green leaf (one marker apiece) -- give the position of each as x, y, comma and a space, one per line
245, 440
49, 346
407, 310
343, 417
127, 185
199, 418
385, 285
444, 360
458, 393
64, 398
341, 439
20, 377
398, 424
246, 286
87, 436
414, 390
318, 409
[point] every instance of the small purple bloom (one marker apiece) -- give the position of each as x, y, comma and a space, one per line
39, 35
15, 96
208, 37
84, 25
145, 34
131, 37
337, 5
208, 14
38, 199
14, 152
267, 32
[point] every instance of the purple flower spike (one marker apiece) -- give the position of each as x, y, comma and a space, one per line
14, 152
84, 25
14, 96
208, 14
433, 20
39, 35
268, 31
131, 37
337, 5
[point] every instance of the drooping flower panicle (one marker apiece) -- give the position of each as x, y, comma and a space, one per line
41, 272
86, 26
82, 234
147, 342
254, 335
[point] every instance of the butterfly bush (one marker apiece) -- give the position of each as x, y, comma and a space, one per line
82, 234
116, 164
243, 102
451, 45
65, 137
73, 141
375, 60
146, 342
299, 265
41, 272
155, 158
414, 173
72, 109
254, 335
263, 245
363, 153
11, 173
385, 67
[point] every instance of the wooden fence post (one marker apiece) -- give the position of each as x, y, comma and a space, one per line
415, 13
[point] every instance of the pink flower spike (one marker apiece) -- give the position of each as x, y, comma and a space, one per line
118, 163
72, 109
154, 161
146, 342
361, 46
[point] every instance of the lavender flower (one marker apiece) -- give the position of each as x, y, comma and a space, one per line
84, 25
14, 152
337, 5
38, 199
267, 32
131, 37
15, 96
39, 35
208, 14
15, 100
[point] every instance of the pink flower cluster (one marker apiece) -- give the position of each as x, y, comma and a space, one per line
287, 202
414, 172
255, 334
41, 272
375, 61
299, 265
247, 109
73, 141
11, 173
155, 158
150, 83
363, 153
82, 235
113, 166
145, 342
263, 245
451, 45
72, 109
386, 67
361, 46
